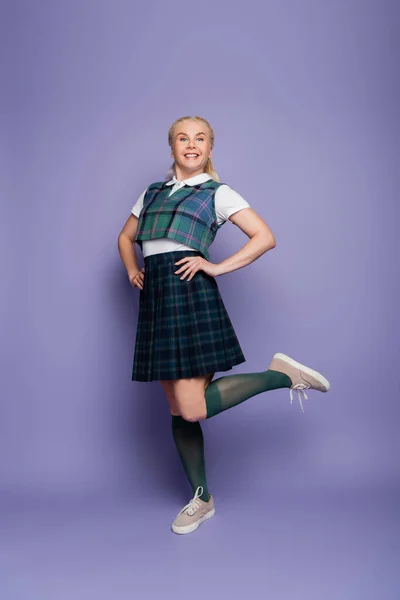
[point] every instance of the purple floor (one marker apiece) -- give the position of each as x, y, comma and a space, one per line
342, 547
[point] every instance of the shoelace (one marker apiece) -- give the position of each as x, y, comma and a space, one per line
299, 388
194, 504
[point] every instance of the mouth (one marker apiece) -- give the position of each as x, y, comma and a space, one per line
191, 156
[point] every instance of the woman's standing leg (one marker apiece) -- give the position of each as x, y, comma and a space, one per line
189, 442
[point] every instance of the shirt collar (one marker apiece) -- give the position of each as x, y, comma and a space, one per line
191, 180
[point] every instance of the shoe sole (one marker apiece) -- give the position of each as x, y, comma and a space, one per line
301, 367
194, 526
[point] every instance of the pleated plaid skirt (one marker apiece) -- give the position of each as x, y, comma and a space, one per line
183, 328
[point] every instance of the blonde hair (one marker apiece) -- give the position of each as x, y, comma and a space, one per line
209, 168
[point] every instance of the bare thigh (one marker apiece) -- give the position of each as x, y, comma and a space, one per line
186, 396
169, 392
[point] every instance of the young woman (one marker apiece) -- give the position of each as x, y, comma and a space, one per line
184, 333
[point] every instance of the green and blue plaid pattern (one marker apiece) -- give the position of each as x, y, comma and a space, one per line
184, 329
187, 216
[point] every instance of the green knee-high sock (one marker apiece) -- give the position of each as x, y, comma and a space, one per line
189, 442
230, 390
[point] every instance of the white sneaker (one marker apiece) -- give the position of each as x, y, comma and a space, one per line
193, 514
302, 377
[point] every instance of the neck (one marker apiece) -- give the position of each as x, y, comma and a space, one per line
181, 174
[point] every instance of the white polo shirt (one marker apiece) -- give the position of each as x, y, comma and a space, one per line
226, 201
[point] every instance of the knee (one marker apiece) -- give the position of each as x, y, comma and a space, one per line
192, 414
190, 400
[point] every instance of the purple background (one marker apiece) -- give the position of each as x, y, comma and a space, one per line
304, 101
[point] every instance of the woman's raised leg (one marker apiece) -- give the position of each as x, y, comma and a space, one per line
199, 399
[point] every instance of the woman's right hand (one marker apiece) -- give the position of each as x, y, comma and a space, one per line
137, 279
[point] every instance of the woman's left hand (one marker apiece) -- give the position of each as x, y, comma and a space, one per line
192, 264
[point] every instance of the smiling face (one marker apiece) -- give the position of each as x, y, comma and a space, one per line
191, 148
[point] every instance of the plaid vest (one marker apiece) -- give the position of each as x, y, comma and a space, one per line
187, 216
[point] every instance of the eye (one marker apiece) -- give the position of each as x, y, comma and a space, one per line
182, 138
200, 138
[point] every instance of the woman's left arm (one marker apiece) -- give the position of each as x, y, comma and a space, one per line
261, 240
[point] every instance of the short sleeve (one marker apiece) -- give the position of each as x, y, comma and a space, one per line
227, 202
137, 207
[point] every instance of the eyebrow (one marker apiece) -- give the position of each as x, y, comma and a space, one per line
200, 133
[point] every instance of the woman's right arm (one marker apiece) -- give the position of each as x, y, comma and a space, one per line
127, 251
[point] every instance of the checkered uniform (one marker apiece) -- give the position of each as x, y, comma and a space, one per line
184, 329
